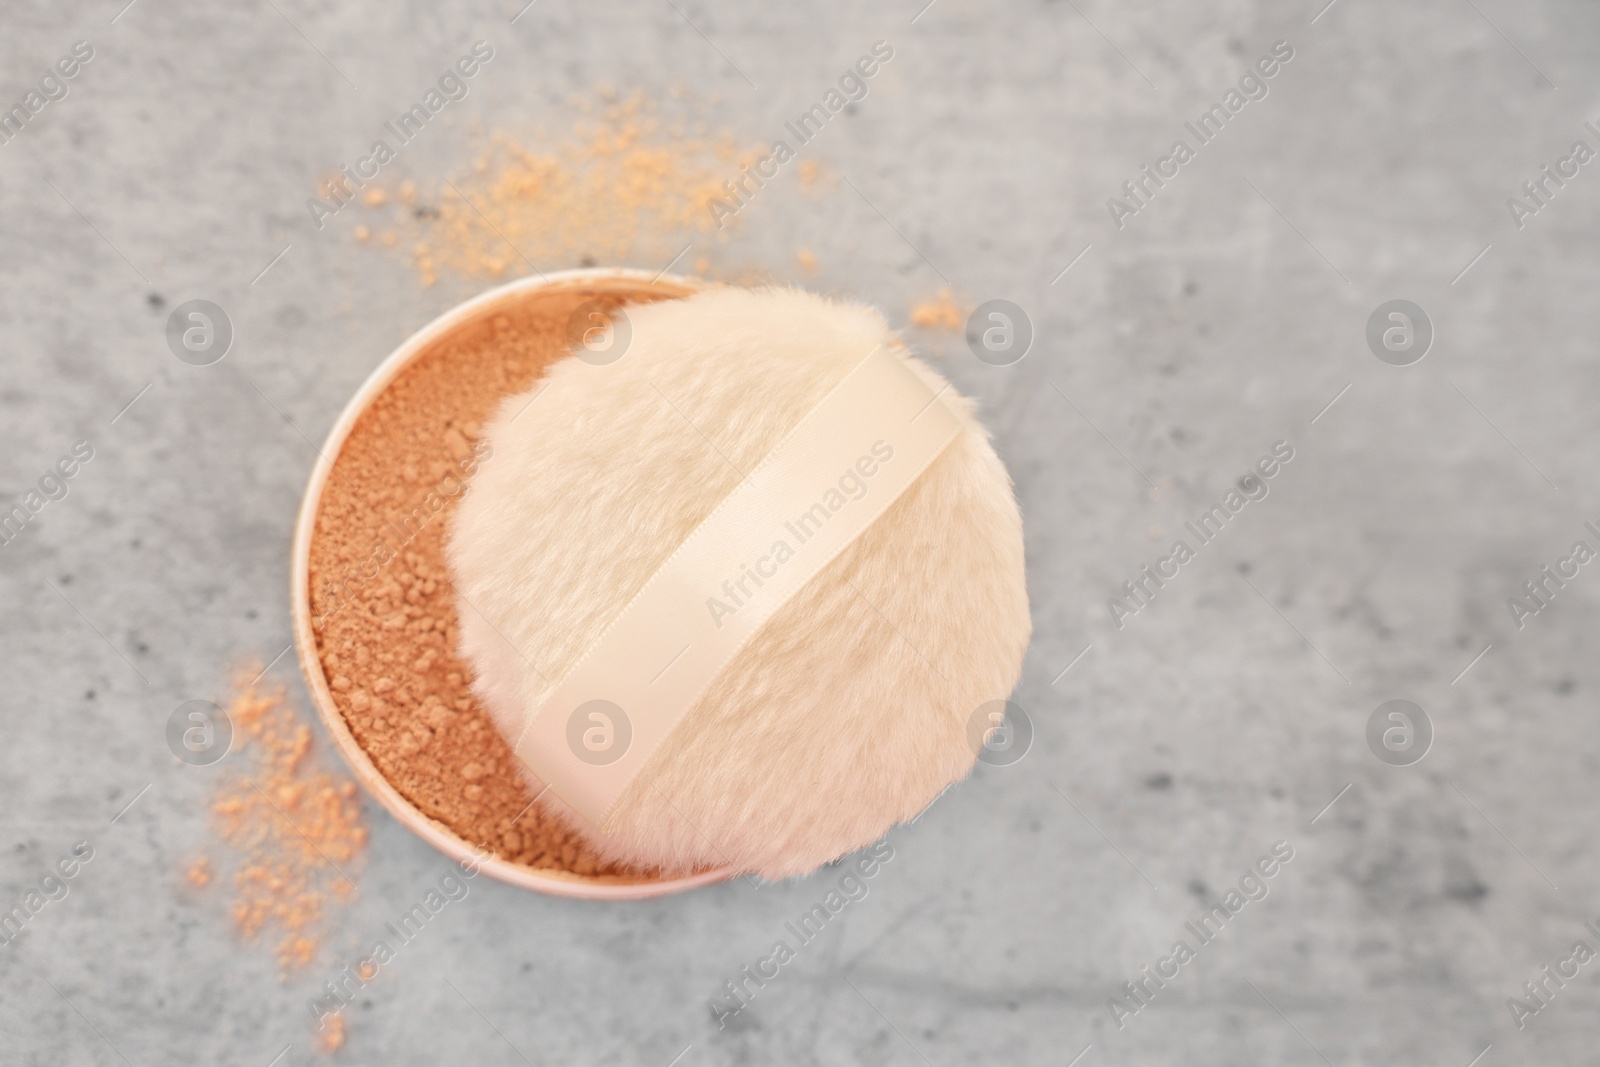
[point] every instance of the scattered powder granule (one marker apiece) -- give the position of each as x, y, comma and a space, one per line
808, 262
382, 602
289, 830
330, 1038
622, 185
940, 313
424, 260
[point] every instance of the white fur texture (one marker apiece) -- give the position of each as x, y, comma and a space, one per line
848, 711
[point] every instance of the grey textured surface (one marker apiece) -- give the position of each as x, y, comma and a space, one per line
1224, 717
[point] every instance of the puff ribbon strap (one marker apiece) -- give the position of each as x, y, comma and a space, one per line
849, 458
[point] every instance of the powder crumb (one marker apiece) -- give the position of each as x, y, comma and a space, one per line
810, 173
331, 1037
940, 313
291, 829
408, 191
702, 266
390, 238
375, 197
199, 874
362, 233
808, 262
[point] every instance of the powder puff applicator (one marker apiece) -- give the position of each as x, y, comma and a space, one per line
736, 594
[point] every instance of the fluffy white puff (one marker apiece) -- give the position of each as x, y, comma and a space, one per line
848, 711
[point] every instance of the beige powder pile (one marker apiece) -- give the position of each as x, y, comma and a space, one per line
289, 830
625, 184
940, 313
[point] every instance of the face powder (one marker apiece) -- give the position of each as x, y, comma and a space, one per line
382, 608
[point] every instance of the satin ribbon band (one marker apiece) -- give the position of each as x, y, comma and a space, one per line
849, 458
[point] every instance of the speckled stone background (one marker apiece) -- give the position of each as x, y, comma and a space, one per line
1224, 316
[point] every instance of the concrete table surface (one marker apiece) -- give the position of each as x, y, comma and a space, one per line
1182, 328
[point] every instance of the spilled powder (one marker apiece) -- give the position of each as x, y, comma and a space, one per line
384, 610
813, 173
331, 1035
626, 183
940, 313
288, 830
